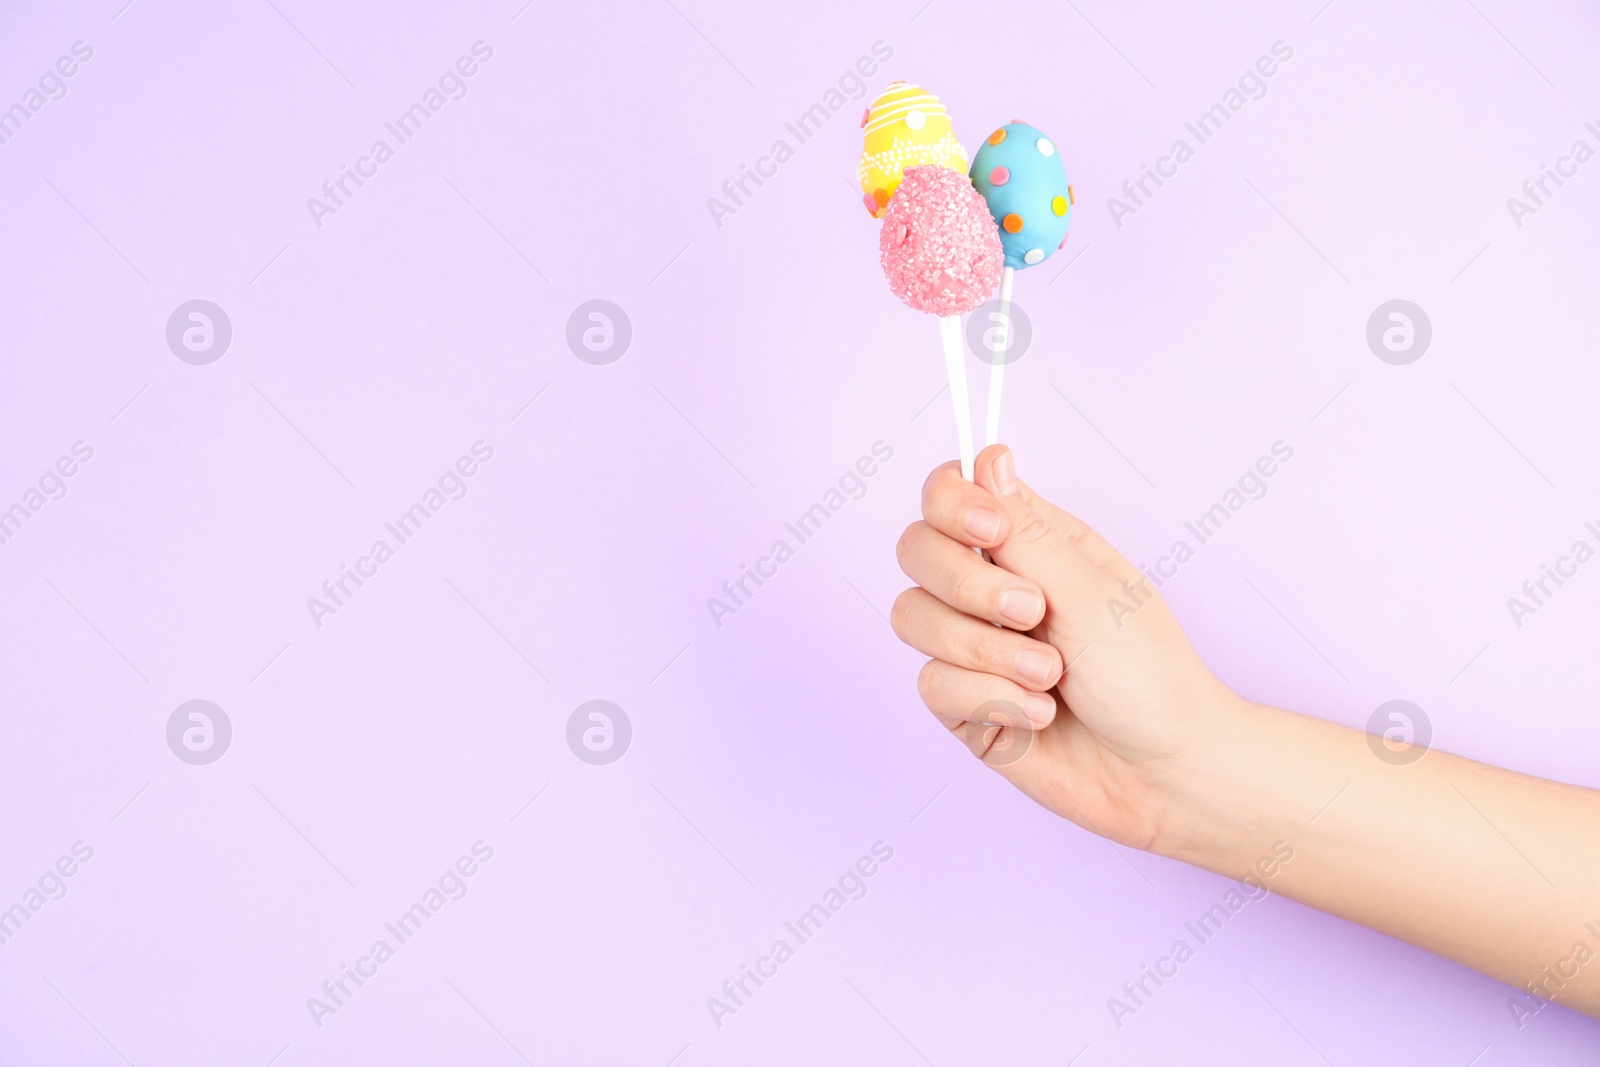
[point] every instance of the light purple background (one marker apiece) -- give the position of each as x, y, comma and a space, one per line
768, 355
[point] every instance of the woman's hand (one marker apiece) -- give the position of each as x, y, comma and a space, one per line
1140, 743
1059, 664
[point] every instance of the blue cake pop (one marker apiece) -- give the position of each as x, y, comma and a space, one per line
1021, 176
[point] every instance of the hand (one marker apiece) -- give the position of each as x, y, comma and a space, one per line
1058, 663
1140, 743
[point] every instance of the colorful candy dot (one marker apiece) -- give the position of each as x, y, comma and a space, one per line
872, 205
1045, 147
997, 136
866, 111
880, 197
916, 120
1012, 223
1033, 256
1059, 205
999, 176
1070, 198
1063, 243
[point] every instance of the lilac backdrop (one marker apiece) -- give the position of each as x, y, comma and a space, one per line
373, 345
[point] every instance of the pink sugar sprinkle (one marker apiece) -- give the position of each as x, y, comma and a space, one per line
939, 246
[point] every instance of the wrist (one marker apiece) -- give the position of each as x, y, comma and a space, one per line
1253, 778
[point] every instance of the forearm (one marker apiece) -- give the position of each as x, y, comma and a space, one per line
1497, 870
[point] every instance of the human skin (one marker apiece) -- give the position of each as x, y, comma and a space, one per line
1112, 720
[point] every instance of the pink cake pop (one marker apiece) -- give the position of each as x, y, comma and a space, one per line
939, 246
941, 253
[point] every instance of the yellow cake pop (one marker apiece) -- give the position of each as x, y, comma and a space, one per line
906, 126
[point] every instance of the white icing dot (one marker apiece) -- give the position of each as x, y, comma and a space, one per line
916, 120
1033, 256
1045, 147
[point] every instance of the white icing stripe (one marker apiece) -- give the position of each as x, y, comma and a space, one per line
883, 118
930, 104
925, 100
901, 94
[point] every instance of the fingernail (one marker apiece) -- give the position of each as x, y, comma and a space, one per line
983, 524
1021, 607
1005, 473
1040, 707
1034, 666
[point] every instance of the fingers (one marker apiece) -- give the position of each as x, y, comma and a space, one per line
935, 629
1079, 533
957, 508
957, 695
967, 512
957, 576
1047, 545
1002, 745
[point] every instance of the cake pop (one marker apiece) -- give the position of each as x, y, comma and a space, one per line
1019, 173
906, 126
939, 248
941, 253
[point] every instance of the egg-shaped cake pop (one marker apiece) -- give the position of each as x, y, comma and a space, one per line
1019, 172
906, 126
938, 245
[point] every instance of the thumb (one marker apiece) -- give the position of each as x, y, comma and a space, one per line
1050, 547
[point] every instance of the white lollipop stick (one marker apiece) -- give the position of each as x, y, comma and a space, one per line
955, 366
997, 369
